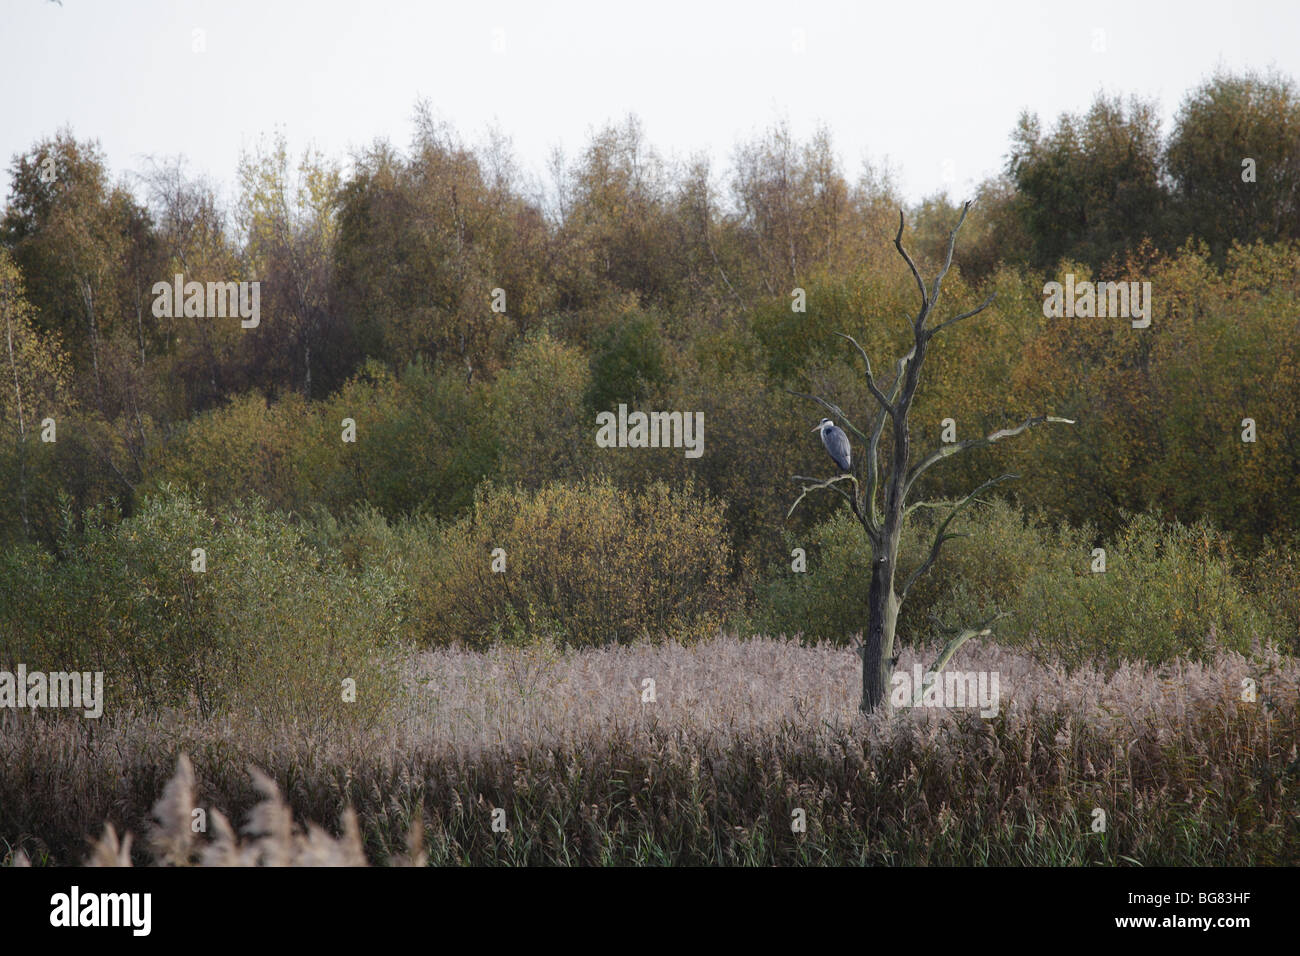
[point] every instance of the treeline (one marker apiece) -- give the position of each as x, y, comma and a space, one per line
471, 321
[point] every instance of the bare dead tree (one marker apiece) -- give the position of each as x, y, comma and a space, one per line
880, 501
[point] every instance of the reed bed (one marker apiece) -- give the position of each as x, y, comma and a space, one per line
740, 735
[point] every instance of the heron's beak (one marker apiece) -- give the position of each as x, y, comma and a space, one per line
817, 428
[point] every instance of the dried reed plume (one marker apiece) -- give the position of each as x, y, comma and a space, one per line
274, 840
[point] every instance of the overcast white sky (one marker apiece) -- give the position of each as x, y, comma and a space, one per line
908, 83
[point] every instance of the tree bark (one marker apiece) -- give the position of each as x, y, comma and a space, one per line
878, 646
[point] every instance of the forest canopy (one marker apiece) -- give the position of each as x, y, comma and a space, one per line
471, 325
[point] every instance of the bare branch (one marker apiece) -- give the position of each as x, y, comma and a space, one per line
871, 379
818, 484
952, 242
873, 471
833, 409
946, 451
965, 315
941, 534
899, 369
960, 638
920, 283
873, 454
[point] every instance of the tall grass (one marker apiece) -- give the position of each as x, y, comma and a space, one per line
741, 733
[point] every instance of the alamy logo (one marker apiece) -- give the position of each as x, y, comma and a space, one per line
56, 689
651, 430
212, 300
1086, 300
102, 909
957, 689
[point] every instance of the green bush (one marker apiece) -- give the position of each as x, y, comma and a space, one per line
1169, 590
586, 565
1273, 575
423, 440
544, 432
246, 447
829, 600
627, 362
265, 630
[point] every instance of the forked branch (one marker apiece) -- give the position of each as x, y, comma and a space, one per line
816, 484
876, 393
942, 535
960, 637
920, 283
952, 244
931, 333
947, 451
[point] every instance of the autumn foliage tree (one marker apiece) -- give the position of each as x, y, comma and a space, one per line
1234, 158
33, 388
1086, 186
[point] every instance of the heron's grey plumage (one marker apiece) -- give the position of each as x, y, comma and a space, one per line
837, 444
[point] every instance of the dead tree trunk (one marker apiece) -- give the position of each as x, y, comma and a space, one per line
880, 499
878, 643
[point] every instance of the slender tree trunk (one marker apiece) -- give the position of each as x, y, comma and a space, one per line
139, 328
883, 600
92, 325
22, 427
306, 365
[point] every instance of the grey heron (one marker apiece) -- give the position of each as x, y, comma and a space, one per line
837, 444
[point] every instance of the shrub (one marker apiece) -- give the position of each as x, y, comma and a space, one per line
829, 600
264, 627
423, 440
1274, 576
586, 565
627, 362
1168, 590
545, 433
243, 448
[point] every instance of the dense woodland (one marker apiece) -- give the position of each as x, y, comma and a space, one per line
466, 323
630, 277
